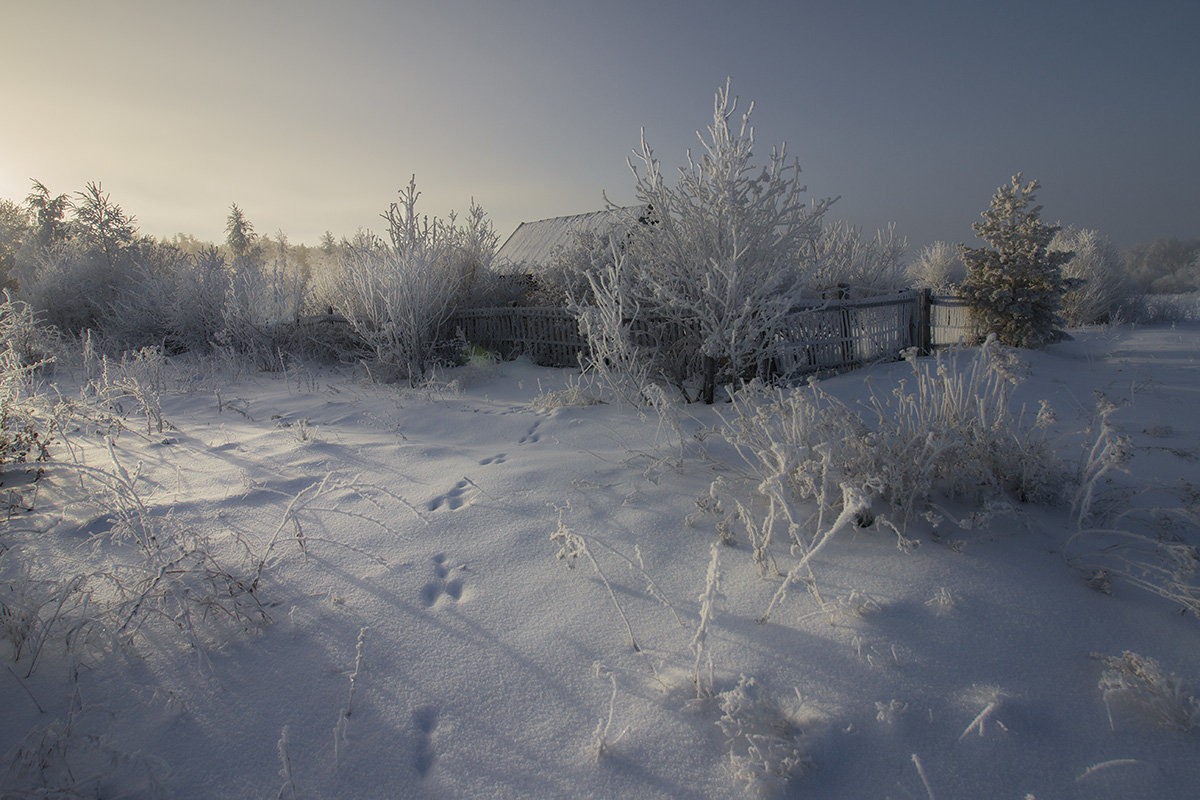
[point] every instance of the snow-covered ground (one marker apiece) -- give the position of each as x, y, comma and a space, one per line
430, 644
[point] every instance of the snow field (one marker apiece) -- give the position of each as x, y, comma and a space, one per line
431, 645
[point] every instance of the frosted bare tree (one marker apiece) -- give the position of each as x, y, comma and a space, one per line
1099, 284
713, 268
399, 294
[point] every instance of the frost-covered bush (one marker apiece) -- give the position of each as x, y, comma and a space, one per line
708, 281
565, 279
1140, 683
175, 301
1098, 281
1161, 308
843, 256
938, 267
25, 349
1015, 286
950, 431
763, 737
1165, 266
69, 284
400, 294
262, 305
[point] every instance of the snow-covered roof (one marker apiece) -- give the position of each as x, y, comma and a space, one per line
531, 246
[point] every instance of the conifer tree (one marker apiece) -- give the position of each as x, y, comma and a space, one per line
1015, 287
239, 234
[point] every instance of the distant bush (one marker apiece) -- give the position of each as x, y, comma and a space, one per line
174, 300
1165, 266
938, 267
1162, 308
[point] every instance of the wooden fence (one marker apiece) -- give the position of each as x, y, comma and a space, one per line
832, 335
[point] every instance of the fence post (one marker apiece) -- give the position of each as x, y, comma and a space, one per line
848, 342
710, 379
924, 321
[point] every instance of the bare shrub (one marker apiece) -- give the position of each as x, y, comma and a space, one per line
939, 267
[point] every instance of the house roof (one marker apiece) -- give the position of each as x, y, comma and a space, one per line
532, 244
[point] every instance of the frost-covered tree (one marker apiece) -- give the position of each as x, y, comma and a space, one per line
399, 294
1099, 283
103, 224
711, 279
49, 214
1015, 286
939, 267
240, 237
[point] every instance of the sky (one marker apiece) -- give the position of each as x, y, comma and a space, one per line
310, 116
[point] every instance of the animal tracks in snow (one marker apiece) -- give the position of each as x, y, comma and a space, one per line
442, 584
425, 720
496, 459
531, 436
454, 499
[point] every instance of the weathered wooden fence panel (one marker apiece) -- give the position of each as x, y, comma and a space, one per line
548, 336
835, 334
950, 321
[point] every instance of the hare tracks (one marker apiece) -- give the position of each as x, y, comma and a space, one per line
454, 499
440, 586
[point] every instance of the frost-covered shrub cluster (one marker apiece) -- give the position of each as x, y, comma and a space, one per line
1162, 308
80, 263
842, 256
950, 431
400, 294
25, 350
1165, 266
1097, 280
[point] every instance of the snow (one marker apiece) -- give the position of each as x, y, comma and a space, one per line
962, 669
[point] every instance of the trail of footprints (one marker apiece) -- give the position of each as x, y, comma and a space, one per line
440, 586
460, 495
425, 720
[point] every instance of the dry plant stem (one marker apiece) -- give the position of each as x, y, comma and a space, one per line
924, 778
699, 644
603, 726
853, 504
571, 545
341, 729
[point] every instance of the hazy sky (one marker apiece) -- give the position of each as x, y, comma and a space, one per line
311, 115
